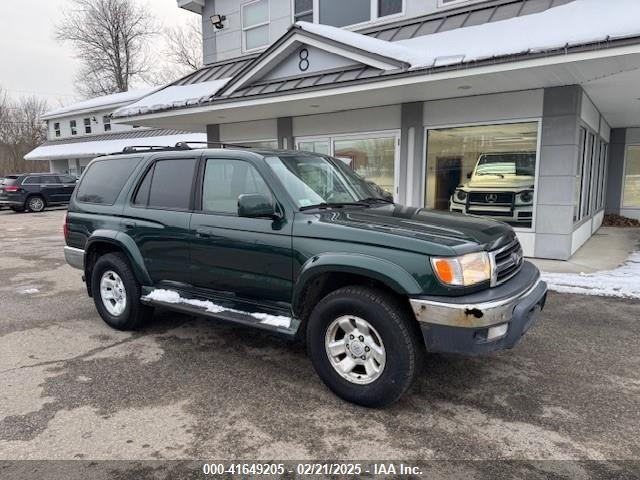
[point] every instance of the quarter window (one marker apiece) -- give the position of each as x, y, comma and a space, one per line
255, 24
165, 191
104, 180
225, 180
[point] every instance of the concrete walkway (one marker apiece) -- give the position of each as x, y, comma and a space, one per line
606, 250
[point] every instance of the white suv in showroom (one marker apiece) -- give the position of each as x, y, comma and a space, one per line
501, 186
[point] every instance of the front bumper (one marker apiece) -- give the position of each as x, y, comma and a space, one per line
74, 257
515, 214
464, 324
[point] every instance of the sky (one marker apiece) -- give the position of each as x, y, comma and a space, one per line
32, 62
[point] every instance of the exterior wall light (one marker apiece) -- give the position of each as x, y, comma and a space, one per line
216, 21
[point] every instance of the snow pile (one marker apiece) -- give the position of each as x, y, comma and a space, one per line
100, 102
93, 149
173, 97
171, 296
623, 282
575, 23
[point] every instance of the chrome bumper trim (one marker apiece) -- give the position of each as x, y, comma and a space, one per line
468, 315
74, 257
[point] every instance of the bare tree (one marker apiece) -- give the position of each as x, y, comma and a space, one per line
184, 45
21, 130
111, 38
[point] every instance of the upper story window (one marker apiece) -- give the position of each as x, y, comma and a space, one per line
87, 125
339, 13
106, 122
255, 25
56, 129
74, 127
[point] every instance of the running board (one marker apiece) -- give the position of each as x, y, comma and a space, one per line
272, 320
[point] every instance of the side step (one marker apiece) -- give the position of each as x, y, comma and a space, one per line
272, 320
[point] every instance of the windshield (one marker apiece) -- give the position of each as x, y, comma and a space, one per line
316, 180
519, 164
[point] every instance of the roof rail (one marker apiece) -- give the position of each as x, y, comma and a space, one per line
180, 146
186, 145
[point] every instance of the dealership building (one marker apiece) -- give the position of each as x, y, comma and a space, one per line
525, 110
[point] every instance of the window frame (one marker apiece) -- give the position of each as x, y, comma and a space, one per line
57, 131
244, 29
374, 18
624, 206
425, 151
199, 200
151, 166
87, 125
138, 160
106, 122
73, 126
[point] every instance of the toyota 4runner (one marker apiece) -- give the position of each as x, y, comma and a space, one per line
297, 244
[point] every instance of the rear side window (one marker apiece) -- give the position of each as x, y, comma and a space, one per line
104, 180
167, 185
32, 180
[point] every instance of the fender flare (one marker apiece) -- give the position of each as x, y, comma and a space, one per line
384, 271
128, 246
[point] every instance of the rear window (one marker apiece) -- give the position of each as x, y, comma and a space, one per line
104, 179
10, 180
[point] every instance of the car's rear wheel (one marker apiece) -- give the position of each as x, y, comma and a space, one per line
116, 293
36, 203
364, 346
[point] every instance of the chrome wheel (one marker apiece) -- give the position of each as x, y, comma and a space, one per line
355, 349
113, 293
36, 204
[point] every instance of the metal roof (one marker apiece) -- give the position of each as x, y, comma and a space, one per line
216, 71
136, 133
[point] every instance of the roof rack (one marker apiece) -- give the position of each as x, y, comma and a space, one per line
218, 144
151, 148
180, 146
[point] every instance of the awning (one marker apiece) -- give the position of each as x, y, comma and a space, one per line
91, 147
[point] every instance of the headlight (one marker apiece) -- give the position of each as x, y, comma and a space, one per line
526, 196
463, 271
460, 196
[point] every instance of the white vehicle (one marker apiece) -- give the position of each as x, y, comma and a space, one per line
501, 187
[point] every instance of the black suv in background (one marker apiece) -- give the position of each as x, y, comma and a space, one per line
36, 191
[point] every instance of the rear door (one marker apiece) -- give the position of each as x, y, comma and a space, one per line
67, 186
250, 258
157, 217
51, 188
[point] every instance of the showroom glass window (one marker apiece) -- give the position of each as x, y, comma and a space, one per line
486, 170
631, 197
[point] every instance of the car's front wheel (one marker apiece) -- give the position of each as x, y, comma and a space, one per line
36, 204
116, 293
363, 345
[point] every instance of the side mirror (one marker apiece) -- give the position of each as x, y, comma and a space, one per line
255, 205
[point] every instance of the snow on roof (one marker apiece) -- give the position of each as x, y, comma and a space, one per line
96, 148
100, 103
172, 97
575, 23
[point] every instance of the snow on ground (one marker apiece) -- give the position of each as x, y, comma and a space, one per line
623, 282
575, 23
173, 97
171, 296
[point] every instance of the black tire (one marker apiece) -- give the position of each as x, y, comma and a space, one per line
36, 204
135, 313
396, 329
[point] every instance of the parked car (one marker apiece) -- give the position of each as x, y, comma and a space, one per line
297, 244
501, 186
36, 191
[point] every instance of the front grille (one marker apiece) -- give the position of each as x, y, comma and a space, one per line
491, 198
507, 262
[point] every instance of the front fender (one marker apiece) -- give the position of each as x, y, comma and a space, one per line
384, 271
128, 246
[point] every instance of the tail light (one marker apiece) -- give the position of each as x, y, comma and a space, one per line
11, 189
65, 227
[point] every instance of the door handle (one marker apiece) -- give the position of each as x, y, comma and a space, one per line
130, 225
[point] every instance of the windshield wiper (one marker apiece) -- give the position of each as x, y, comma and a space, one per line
375, 199
332, 205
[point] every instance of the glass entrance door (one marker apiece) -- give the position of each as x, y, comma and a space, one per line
373, 156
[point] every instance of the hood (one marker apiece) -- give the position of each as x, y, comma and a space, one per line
495, 181
422, 230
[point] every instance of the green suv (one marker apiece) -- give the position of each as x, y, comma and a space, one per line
297, 244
